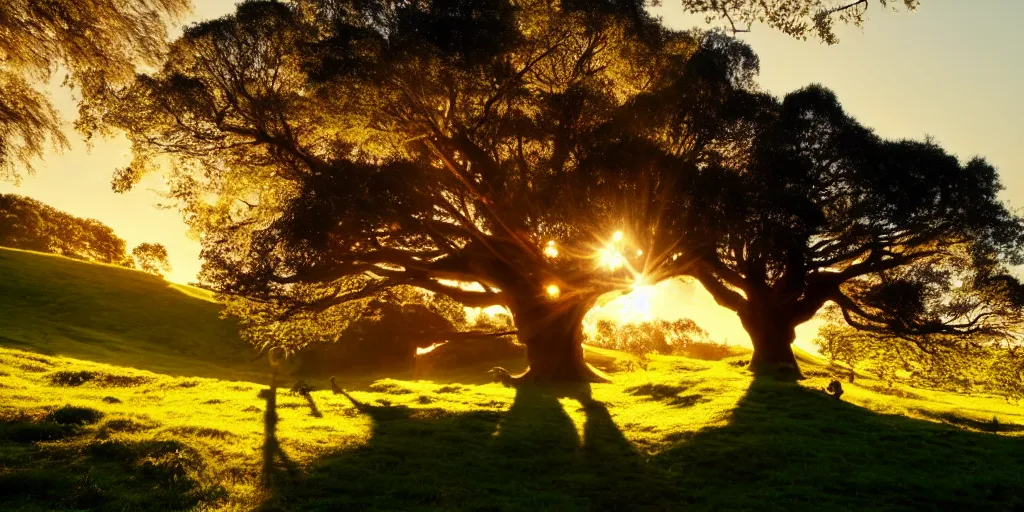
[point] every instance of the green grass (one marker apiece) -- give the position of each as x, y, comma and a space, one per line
683, 434
55, 305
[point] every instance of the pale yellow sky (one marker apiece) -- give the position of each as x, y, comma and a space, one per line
953, 70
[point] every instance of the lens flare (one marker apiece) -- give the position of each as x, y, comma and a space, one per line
611, 259
553, 291
550, 250
426, 350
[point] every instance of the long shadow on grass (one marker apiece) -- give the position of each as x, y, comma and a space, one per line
791, 448
528, 458
277, 469
784, 448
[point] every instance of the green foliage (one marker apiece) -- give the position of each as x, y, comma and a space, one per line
404, 316
151, 258
960, 364
679, 337
31, 225
422, 143
97, 43
797, 18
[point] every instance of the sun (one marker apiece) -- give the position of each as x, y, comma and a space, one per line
637, 305
610, 258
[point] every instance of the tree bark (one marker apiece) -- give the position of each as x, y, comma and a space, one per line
772, 332
552, 331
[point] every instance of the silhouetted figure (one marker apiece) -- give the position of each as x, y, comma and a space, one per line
835, 389
335, 388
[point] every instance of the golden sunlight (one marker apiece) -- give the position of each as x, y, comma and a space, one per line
426, 350
673, 299
610, 258
550, 250
617, 237
553, 291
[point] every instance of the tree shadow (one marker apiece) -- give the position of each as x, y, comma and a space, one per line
314, 411
531, 457
787, 447
784, 447
274, 458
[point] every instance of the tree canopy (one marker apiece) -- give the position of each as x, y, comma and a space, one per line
33, 226
331, 151
965, 364
360, 146
901, 235
97, 43
797, 18
152, 258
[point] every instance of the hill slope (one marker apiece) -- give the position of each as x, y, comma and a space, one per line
105, 313
110, 434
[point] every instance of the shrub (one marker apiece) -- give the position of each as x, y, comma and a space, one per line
71, 415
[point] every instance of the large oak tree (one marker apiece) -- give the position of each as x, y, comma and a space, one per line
349, 147
903, 237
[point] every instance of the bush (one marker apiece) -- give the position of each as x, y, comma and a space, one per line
71, 415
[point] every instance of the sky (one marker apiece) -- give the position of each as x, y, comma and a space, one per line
952, 70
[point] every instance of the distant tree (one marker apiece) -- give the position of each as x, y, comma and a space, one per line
357, 146
902, 236
31, 225
151, 258
97, 43
797, 18
681, 337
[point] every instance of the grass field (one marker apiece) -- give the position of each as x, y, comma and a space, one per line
99, 413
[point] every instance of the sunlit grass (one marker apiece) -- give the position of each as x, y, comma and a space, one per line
656, 412
672, 433
105, 313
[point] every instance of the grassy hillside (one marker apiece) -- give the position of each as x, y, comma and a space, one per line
681, 435
55, 305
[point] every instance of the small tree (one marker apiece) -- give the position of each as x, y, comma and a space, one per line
151, 258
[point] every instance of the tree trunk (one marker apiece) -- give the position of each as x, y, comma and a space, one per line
772, 333
552, 331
